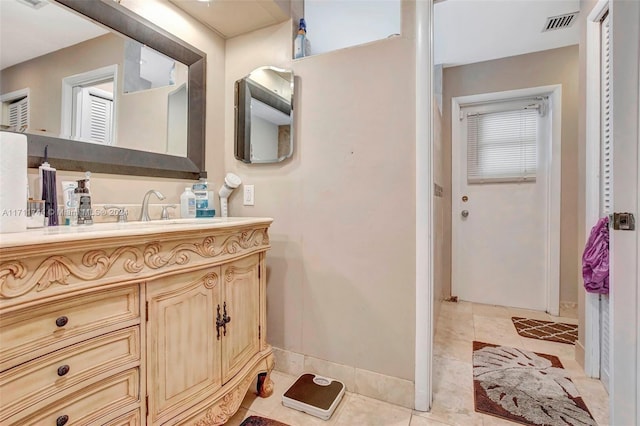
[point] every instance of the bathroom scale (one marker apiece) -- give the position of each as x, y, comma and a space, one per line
315, 395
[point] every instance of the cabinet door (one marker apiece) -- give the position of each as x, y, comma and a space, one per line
183, 351
242, 295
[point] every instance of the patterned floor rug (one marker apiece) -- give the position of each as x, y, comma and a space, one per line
546, 330
261, 421
525, 387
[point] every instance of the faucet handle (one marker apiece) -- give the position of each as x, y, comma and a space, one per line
122, 212
165, 212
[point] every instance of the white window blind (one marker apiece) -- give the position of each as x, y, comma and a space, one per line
502, 145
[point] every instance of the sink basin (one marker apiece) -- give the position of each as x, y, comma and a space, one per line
180, 221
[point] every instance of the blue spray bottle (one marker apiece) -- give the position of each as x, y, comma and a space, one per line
300, 43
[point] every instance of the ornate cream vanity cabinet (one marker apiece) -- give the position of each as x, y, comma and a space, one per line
132, 324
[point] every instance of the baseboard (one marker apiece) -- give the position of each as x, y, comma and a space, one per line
364, 382
580, 353
569, 309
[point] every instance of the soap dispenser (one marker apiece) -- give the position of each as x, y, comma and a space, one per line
83, 199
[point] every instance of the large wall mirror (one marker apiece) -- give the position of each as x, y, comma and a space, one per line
105, 89
264, 116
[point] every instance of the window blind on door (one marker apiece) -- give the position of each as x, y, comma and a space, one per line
502, 146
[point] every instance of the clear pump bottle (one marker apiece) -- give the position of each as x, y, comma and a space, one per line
187, 203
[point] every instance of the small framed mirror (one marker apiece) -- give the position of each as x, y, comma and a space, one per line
264, 116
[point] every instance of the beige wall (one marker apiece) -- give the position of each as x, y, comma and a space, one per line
117, 189
341, 280
556, 66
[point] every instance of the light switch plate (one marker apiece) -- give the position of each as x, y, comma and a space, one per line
249, 193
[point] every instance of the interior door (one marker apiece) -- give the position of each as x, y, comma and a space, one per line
499, 229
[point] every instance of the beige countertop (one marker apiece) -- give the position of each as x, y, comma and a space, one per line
56, 234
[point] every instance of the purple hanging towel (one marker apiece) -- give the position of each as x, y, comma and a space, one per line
595, 259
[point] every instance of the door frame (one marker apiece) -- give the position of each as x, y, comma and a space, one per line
624, 298
552, 237
424, 204
592, 176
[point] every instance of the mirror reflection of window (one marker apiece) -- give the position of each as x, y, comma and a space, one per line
145, 68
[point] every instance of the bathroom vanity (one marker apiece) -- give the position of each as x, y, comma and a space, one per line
132, 324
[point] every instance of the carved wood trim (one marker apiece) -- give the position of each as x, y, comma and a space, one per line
17, 278
231, 271
225, 408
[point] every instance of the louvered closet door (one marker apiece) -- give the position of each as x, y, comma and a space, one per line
606, 187
97, 113
19, 114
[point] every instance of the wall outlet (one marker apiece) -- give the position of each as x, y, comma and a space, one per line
249, 195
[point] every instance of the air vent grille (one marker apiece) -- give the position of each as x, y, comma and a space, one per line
560, 21
36, 4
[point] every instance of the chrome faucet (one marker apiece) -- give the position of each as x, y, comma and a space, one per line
144, 213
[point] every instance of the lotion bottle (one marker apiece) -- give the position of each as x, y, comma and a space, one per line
187, 203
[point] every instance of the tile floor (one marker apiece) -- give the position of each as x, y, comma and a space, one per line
458, 325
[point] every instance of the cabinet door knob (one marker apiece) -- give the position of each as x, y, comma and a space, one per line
62, 420
62, 370
62, 321
225, 319
219, 322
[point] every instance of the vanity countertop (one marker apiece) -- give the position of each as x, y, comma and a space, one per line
59, 234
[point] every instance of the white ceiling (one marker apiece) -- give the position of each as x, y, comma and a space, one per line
468, 31
230, 18
26, 33
465, 31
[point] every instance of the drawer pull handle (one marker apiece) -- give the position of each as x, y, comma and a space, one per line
62, 370
62, 321
62, 420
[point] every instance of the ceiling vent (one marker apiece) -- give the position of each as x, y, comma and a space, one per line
36, 4
560, 21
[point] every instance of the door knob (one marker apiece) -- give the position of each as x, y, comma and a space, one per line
465, 213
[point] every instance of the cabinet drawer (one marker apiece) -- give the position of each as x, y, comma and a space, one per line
54, 375
98, 403
132, 418
33, 332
